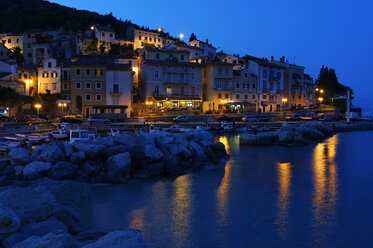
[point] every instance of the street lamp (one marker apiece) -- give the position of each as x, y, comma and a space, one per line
320, 99
92, 28
321, 91
38, 106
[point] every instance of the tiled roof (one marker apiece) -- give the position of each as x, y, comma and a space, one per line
119, 67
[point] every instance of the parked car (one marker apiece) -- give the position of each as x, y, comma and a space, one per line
28, 118
5, 118
98, 119
181, 118
71, 119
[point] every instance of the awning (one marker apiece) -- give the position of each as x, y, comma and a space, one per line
110, 106
177, 98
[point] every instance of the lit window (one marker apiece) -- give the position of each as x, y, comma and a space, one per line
54, 75
45, 75
99, 72
169, 90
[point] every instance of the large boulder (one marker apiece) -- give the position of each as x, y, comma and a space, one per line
119, 164
49, 240
155, 169
36, 170
29, 204
63, 170
77, 158
51, 225
114, 150
70, 219
105, 141
48, 153
92, 168
68, 149
152, 154
19, 156
286, 137
119, 239
92, 150
9, 221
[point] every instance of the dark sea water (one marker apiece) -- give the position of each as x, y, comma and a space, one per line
315, 196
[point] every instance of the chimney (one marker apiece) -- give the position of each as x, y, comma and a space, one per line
272, 58
207, 41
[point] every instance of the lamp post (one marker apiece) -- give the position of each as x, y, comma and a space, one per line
38, 106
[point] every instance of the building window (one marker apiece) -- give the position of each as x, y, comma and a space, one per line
182, 57
193, 90
246, 96
193, 76
226, 71
226, 96
219, 71
54, 86
245, 75
88, 97
264, 73
237, 96
159, 39
28, 46
49, 64
264, 96
99, 72
279, 75
140, 37
65, 86
156, 74
170, 56
54, 74
88, 85
111, 35
156, 89
150, 38
253, 86
9, 41
169, 90
98, 85
103, 34
157, 56
146, 38
87, 72
78, 86
237, 85
253, 97
264, 84
65, 75
45, 74
98, 97
77, 72
219, 95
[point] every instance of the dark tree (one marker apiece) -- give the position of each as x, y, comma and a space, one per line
192, 37
16, 53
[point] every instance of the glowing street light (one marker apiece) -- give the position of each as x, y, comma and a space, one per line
159, 29
321, 91
181, 36
321, 99
317, 89
92, 28
135, 69
284, 100
38, 106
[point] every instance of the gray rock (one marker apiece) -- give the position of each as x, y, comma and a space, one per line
9, 221
29, 204
49, 240
105, 141
173, 164
119, 164
51, 225
68, 149
119, 239
36, 169
63, 170
286, 137
197, 151
4, 163
19, 156
92, 150
114, 150
92, 168
155, 169
52, 154
77, 158
70, 219
152, 154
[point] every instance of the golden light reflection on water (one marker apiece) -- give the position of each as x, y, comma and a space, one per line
283, 198
222, 194
224, 140
137, 219
181, 207
325, 182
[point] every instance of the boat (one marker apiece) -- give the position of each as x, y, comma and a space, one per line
226, 126
81, 134
204, 128
113, 132
176, 128
59, 134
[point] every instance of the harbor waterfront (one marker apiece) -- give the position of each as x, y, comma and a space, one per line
271, 196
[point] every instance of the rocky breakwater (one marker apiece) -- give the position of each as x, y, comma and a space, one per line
290, 134
115, 159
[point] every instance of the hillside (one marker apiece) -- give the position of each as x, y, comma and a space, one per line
19, 15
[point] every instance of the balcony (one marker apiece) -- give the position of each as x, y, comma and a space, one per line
175, 70
116, 91
222, 88
176, 96
176, 80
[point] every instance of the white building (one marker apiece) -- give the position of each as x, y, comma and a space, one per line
12, 41
195, 52
49, 74
208, 49
143, 38
119, 86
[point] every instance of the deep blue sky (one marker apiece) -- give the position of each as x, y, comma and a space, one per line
337, 33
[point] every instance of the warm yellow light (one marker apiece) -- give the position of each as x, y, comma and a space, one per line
60, 105
151, 103
321, 99
92, 28
317, 89
181, 36
64, 104
222, 101
284, 99
37, 105
135, 69
159, 29
147, 103
321, 91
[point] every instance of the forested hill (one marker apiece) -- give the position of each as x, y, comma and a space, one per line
19, 15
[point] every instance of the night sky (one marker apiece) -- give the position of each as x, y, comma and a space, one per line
337, 33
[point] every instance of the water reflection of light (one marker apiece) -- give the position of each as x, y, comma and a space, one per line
284, 192
325, 183
224, 140
222, 194
137, 219
181, 207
